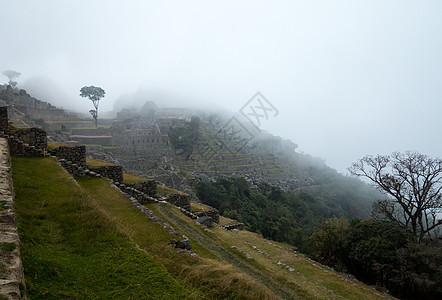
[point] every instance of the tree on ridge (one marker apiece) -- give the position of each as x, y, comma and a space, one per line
11, 76
94, 94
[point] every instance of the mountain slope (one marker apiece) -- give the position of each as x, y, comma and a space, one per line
97, 244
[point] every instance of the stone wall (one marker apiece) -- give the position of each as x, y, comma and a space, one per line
180, 200
11, 275
4, 124
72, 168
76, 155
238, 226
49, 113
31, 107
32, 136
18, 148
214, 214
148, 187
136, 194
112, 172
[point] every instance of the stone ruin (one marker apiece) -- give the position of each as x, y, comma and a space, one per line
25, 142
76, 155
180, 200
148, 187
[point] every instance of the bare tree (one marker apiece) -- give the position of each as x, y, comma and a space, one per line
413, 183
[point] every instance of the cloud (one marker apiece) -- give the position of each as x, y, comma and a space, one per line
349, 78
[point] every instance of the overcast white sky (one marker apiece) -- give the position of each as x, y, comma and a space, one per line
349, 77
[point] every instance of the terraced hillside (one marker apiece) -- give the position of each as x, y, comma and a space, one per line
84, 239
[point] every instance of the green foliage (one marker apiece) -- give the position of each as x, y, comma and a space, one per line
380, 252
94, 94
327, 242
185, 137
276, 214
372, 242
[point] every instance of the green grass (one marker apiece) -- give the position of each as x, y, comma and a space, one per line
198, 207
132, 178
71, 250
93, 127
164, 190
96, 163
18, 127
89, 241
53, 145
3, 204
106, 147
67, 122
7, 247
203, 276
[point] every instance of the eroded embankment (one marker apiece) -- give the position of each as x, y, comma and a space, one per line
11, 269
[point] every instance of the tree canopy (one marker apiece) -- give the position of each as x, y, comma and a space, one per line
11, 76
94, 94
413, 185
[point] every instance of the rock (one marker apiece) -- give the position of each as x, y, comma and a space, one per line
205, 220
183, 244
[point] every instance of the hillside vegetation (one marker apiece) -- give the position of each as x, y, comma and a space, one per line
285, 216
87, 240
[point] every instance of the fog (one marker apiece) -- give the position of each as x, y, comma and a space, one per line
348, 78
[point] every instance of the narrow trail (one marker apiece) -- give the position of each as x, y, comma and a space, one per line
226, 255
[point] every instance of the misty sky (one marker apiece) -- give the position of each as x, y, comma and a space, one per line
349, 78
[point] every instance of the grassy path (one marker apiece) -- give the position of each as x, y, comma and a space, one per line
215, 246
204, 276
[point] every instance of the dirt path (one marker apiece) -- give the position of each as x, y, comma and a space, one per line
222, 253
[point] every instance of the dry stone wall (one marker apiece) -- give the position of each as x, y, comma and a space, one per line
11, 275
136, 194
18, 148
114, 173
149, 187
214, 214
180, 200
32, 136
76, 155
4, 124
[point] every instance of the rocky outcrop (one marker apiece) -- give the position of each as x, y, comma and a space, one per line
11, 269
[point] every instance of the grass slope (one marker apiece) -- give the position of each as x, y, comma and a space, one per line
71, 250
89, 241
289, 274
